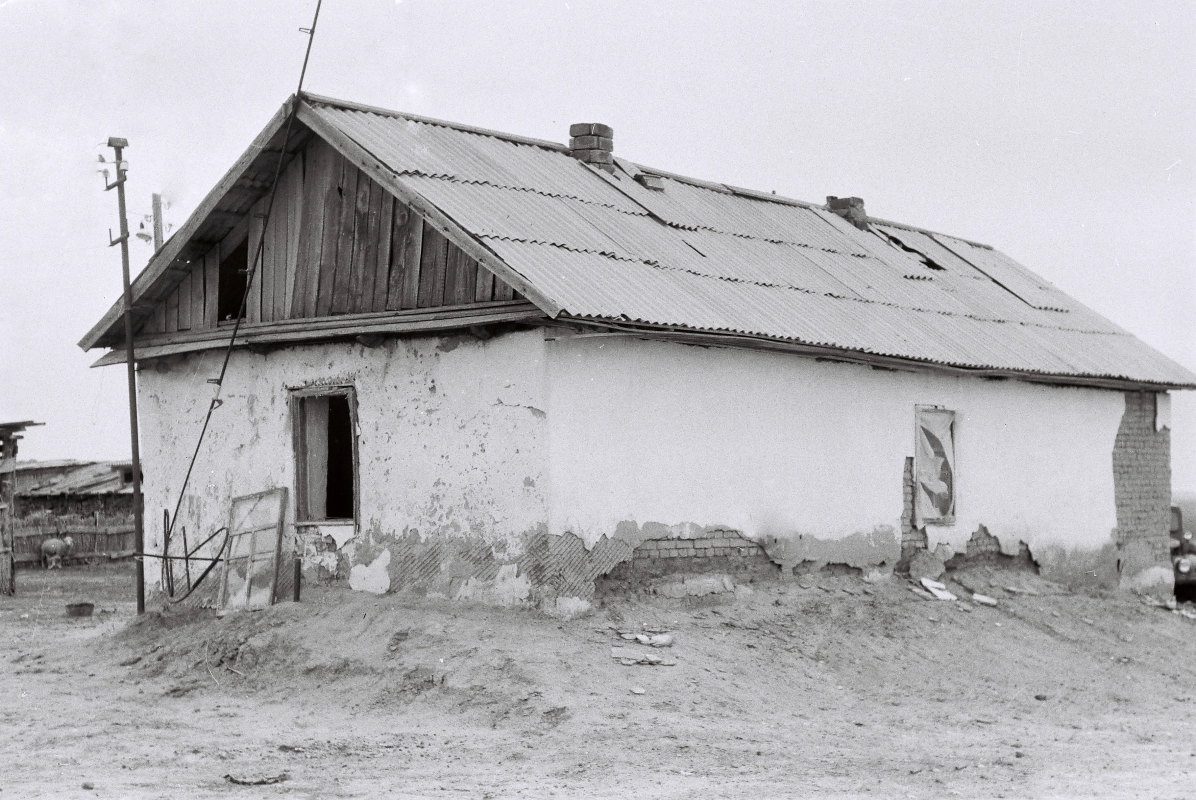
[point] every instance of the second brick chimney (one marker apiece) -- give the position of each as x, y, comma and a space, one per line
593, 143
850, 209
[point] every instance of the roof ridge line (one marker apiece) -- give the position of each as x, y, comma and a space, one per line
769, 197
907, 227
443, 123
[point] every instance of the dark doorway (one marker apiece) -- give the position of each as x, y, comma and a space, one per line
340, 458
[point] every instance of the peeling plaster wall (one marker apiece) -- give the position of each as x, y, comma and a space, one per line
451, 442
807, 457
521, 468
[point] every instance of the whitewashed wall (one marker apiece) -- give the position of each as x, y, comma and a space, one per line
489, 441
778, 445
451, 435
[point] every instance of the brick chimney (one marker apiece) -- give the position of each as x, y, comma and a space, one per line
593, 143
850, 209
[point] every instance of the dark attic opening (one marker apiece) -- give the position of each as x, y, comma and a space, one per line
234, 271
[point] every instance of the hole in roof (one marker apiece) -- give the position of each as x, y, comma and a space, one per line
900, 245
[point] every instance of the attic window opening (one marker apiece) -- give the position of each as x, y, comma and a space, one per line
234, 272
925, 259
325, 456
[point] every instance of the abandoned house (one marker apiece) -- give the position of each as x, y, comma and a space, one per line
491, 367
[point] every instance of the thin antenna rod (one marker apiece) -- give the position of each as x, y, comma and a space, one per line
311, 37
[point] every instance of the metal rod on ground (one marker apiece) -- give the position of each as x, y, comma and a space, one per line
118, 144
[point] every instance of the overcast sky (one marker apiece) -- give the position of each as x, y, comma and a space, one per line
1061, 133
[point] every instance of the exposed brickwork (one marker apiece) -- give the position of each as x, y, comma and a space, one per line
982, 543
1142, 479
723, 551
911, 538
983, 547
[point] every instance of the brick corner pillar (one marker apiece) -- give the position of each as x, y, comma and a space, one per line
1142, 490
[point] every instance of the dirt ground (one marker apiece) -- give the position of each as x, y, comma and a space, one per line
821, 686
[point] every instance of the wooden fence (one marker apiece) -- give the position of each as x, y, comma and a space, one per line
88, 542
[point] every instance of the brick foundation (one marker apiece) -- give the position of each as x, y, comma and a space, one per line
1142, 486
712, 551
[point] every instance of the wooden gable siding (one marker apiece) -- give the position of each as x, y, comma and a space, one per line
337, 243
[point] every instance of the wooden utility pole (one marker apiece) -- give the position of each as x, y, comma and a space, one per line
118, 145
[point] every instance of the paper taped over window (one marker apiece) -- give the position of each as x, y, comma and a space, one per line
934, 466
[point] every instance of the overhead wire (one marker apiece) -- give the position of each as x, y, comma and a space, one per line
216, 402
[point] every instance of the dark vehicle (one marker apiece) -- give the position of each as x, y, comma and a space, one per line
1183, 552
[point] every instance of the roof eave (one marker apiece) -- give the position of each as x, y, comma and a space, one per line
104, 331
758, 342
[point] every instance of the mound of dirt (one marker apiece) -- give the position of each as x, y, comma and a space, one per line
828, 685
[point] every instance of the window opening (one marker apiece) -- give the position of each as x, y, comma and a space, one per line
326, 458
234, 272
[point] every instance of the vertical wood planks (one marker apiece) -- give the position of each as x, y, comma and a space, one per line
211, 287
450, 276
334, 203
407, 237
342, 272
460, 277
172, 311
197, 295
317, 183
361, 248
483, 286
382, 258
431, 268
257, 256
156, 322
362, 294
295, 176
185, 303
501, 290
269, 256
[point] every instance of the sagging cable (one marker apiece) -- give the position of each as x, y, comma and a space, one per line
228, 350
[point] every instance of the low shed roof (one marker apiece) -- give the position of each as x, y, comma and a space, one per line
642, 248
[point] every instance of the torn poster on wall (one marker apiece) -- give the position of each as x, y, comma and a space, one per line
934, 465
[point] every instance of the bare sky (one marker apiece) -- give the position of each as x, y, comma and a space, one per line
1061, 133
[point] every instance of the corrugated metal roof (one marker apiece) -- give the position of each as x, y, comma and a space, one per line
701, 256
105, 477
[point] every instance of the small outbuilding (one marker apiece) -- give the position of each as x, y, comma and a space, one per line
89, 501
491, 367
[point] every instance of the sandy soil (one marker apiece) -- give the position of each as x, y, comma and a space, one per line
819, 687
